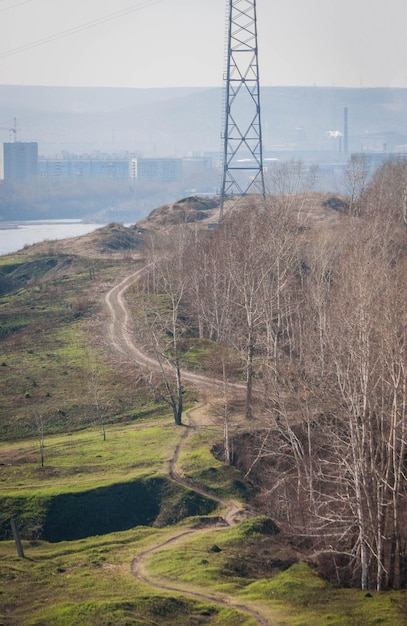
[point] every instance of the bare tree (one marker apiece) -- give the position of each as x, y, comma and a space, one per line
161, 311
40, 420
100, 405
386, 196
248, 265
318, 319
368, 435
356, 176
290, 179
223, 406
335, 447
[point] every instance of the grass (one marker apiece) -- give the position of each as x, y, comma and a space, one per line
51, 339
228, 561
313, 601
48, 349
92, 486
216, 558
82, 459
205, 355
199, 465
90, 582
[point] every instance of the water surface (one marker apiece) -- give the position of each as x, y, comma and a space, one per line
15, 235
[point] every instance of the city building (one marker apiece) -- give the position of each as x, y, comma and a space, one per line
85, 167
20, 161
22, 164
160, 170
192, 166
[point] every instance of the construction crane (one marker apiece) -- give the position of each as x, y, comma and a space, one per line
14, 130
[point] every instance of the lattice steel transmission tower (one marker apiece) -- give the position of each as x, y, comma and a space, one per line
242, 138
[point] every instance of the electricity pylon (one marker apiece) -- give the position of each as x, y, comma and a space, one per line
242, 138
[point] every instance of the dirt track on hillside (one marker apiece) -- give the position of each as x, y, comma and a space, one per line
121, 337
122, 340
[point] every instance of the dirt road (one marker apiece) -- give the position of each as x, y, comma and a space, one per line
122, 340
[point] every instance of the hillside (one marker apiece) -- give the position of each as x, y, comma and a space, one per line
275, 340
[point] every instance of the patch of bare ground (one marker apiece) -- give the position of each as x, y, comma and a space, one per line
112, 240
311, 209
186, 211
318, 209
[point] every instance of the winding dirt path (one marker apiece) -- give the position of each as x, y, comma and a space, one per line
121, 339
119, 335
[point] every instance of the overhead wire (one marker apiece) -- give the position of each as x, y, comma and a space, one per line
14, 6
144, 4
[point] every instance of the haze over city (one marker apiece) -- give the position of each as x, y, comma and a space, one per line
167, 43
97, 87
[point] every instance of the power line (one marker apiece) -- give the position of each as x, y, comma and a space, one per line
144, 4
14, 6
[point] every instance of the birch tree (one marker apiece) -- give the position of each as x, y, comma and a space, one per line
364, 352
386, 196
162, 314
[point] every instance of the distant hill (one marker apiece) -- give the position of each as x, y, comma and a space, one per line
178, 121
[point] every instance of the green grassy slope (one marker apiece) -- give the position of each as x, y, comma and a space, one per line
101, 503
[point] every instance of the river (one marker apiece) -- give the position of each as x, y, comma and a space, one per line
15, 235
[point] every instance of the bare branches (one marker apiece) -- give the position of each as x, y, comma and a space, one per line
317, 319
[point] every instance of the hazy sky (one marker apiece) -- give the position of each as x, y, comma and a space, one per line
161, 43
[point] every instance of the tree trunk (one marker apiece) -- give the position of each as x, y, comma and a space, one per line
249, 377
179, 404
